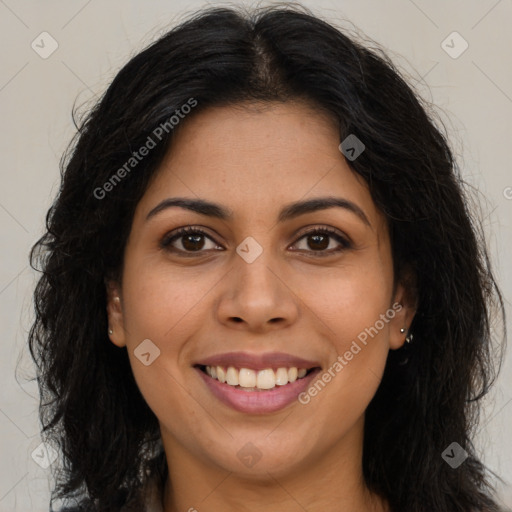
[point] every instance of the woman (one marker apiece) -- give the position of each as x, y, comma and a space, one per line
262, 286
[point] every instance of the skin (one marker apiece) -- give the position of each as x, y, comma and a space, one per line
254, 159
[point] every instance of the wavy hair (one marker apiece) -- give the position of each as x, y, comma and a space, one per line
91, 407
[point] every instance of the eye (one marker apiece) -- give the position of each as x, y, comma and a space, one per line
194, 240
318, 240
191, 239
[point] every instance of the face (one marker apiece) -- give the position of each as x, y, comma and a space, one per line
266, 280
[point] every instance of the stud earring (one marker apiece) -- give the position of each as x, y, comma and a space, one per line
403, 329
110, 331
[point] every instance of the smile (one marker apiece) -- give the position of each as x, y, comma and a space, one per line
252, 397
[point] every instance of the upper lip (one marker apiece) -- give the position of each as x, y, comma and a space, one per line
262, 361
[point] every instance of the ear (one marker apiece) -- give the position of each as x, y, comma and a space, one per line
405, 305
116, 331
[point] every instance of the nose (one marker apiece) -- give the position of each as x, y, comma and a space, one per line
256, 296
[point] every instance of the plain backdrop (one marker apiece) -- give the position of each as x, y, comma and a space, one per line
473, 93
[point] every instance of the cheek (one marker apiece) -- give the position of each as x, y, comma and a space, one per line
353, 306
348, 299
159, 303
166, 395
166, 308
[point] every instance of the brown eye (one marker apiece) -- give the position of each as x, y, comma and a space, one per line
319, 240
190, 239
192, 242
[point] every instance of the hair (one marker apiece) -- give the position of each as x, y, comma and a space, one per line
430, 393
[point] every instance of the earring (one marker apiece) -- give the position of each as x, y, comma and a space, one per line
409, 336
110, 331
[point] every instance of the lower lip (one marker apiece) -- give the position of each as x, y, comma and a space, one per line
258, 402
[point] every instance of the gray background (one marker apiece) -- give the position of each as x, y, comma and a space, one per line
95, 38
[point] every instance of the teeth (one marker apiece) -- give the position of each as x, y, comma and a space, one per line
266, 379
252, 379
281, 377
246, 378
292, 374
232, 376
221, 374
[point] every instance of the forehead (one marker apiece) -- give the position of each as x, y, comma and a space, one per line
257, 154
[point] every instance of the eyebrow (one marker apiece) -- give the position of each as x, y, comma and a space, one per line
289, 212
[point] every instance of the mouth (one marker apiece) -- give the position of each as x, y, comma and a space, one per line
253, 391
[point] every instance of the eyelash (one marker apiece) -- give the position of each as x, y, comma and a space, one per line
190, 230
